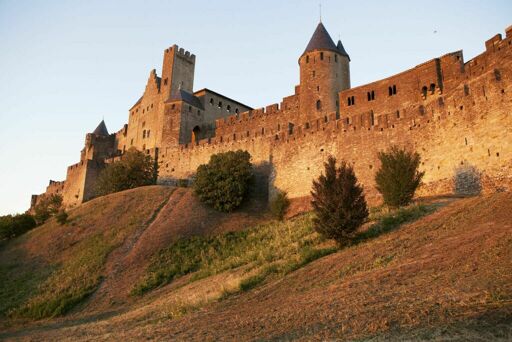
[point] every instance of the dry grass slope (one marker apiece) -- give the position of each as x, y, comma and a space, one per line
446, 275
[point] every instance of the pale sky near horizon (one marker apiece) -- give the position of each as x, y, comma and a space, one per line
64, 65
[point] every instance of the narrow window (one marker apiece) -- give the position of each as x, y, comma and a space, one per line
398, 114
314, 73
262, 130
165, 82
432, 89
373, 95
353, 100
424, 91
290, 128
147, 134
189, 108
368, 96
220, 104
144, 134
372, 119
394, 89
131, 142
236, 110
466, 89
390, 91
228, 108
317, 88
307, 59
318, 105
497, 75
336, 58
211, 102
325, 119
321, 56
349, 103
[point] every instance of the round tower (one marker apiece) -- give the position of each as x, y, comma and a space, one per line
324, 72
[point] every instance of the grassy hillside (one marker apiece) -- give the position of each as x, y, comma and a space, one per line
442, 269
53, 268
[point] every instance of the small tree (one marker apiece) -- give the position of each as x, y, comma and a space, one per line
398, 177
339, 203
47, 207
279, 205
15, 225
133, 170
224, 181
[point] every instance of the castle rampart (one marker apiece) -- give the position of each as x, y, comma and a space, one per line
454, 113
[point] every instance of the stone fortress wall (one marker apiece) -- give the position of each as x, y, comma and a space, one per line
452, 112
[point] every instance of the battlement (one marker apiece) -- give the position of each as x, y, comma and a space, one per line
451, 111
181, 52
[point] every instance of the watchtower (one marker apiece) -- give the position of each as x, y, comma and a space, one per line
324, 72
177, 72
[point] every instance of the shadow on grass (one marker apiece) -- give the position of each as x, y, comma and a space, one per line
393, 220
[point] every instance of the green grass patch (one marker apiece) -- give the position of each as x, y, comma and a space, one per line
391, 220
33, 289
287, 245
275, 248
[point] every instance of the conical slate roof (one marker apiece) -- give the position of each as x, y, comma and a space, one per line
101, 129
341, 49
321, 40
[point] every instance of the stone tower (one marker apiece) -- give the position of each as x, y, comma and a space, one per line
324, 72
177, 72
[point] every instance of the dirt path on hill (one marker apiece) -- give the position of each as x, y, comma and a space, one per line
180, 215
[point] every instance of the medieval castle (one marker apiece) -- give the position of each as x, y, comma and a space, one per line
450, 111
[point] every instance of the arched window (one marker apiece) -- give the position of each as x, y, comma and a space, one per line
228, 108
195, 135
424, 91
236, 110
432, 88
211, 102
318, 105
220, 104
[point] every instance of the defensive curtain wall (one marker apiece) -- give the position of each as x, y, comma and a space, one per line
453, 113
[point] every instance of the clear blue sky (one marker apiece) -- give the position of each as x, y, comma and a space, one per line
64, 65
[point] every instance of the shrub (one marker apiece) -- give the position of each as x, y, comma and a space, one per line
279, 205
12, 226
338, 202
62, 217
467, 180
398, 177
47, 207
133, 170
223, 182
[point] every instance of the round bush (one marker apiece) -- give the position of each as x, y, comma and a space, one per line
223, 182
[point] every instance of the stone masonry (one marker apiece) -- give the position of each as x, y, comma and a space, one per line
454, 113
